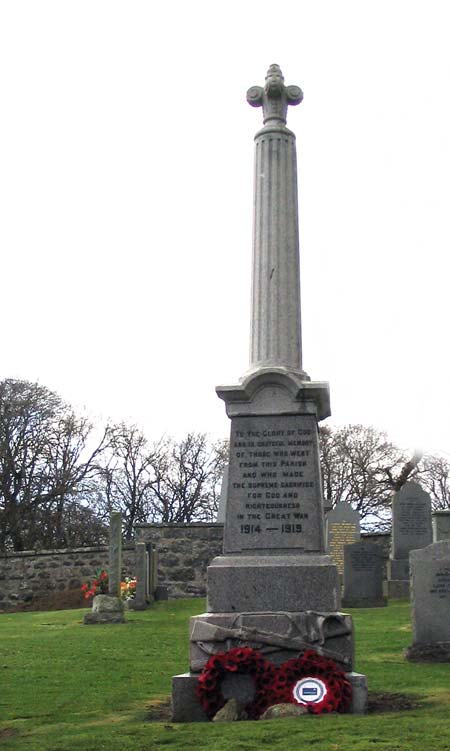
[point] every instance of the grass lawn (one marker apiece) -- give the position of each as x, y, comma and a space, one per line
65, 686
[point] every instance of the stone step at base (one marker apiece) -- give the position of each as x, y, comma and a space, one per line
187, 708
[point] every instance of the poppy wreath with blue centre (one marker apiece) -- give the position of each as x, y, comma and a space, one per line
274, 685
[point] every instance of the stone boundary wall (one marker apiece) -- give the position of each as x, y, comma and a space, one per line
32, 575
184, 552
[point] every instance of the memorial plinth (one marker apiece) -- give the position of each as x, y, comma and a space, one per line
274, 588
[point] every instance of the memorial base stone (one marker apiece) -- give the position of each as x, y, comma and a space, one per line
187, 708
185, 705
277, 636
271, 583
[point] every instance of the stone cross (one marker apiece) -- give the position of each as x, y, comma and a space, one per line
115, 553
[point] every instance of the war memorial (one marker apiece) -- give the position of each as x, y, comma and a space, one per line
274, 590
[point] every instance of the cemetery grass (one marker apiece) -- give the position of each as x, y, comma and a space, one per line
65, 686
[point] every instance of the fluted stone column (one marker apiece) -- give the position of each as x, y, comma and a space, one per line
275, 326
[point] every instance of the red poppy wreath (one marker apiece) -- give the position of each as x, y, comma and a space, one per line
310, 679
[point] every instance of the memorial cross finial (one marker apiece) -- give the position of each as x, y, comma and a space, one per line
275, 97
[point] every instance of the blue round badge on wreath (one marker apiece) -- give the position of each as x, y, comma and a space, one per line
309, 691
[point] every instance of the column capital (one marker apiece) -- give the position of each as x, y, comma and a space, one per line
275, 97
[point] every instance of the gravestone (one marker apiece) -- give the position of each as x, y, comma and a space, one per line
343, 528
430, 603
274, 588
141, 595
441, 525
109, 608
115, 553
411, 530
363, 576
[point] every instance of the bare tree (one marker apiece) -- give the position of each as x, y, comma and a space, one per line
166, 481
434, 476
187, 478
44, 460
126, 476
361, 466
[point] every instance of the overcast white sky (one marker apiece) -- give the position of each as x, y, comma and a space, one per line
126, 171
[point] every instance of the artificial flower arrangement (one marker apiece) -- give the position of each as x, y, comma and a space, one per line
98, 585
128, 588
311, 680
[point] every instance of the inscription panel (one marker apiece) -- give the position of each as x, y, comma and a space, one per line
440, 584
339, 535
413, 518
343, 528
274, 489
363, 561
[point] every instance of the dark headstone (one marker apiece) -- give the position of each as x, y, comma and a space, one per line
141, 596
363, 576
411, 520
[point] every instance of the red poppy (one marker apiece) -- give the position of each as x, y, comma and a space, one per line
273, 685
